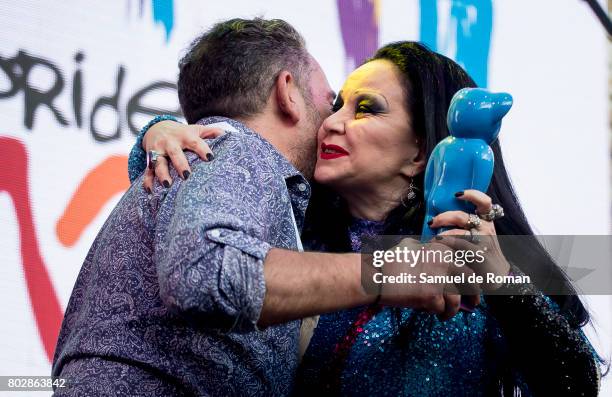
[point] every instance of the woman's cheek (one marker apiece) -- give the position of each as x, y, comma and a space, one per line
333, 170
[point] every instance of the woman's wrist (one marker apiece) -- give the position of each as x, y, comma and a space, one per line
511, 286
147, 127
502, 273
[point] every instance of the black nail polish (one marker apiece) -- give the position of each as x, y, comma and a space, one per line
148, 190
166, 184
430, 222
459, 194
186, 174
209, 156
439, 237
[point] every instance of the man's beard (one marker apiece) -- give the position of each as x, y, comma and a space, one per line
305, 157
305, 151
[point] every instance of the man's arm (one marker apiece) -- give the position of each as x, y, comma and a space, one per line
216, 268
301, 284
210, 260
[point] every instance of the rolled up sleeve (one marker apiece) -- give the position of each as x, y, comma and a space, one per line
210, 258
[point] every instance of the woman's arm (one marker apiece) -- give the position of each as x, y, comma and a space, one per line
555, 358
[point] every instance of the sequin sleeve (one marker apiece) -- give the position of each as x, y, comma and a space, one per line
555, 358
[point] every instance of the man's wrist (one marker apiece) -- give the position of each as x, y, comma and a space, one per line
370, 291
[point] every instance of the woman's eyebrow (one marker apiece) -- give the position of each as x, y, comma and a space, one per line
370, 94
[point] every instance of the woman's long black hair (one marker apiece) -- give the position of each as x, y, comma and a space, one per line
430, 80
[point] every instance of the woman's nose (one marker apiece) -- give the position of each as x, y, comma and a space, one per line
334, 124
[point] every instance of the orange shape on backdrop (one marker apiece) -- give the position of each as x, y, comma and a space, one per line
94, 191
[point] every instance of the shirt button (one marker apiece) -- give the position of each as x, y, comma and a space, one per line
215, 233
301, 187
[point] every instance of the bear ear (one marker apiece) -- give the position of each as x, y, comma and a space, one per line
502, 102
455, 110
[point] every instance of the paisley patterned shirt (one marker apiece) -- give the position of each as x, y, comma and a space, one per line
172, 288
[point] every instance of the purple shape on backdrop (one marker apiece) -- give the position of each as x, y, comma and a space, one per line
359, 30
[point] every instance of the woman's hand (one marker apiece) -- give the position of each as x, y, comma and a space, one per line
169, 139
486, 238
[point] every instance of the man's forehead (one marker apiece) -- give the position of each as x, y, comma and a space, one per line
318, 80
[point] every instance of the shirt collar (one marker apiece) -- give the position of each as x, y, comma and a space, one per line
285, 168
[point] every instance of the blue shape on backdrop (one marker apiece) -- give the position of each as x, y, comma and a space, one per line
163, 12
429, 23
472, 22
463, 160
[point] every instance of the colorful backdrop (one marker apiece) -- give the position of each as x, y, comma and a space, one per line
79, 78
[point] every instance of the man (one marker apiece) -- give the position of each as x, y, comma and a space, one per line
182, 292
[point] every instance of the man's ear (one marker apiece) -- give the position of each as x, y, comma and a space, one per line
287, 96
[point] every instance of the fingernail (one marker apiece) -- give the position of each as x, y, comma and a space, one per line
459, 194
148, 190
439, 237
430, 222
186, 174
166, 184
209, 156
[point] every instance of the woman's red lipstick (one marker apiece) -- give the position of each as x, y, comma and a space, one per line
329, 152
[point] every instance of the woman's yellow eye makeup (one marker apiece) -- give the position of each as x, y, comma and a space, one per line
363, 104
368, 104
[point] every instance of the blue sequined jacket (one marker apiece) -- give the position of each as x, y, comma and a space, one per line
404, 352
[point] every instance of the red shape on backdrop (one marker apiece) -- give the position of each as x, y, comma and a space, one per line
45, 304
98, 186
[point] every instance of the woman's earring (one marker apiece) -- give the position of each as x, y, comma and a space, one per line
410, 195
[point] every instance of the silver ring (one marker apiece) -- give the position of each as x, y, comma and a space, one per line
473, 222
152, 157
496, 212
474, 236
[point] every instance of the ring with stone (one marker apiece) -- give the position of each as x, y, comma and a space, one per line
473, 222
474, 235
152, 157
496, 212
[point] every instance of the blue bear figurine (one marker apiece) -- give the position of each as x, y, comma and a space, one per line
464, 160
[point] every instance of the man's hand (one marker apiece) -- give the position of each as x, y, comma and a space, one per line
442, 298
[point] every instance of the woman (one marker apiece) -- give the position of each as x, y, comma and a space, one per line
388, 117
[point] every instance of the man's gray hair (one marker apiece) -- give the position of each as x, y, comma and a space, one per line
231, 69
